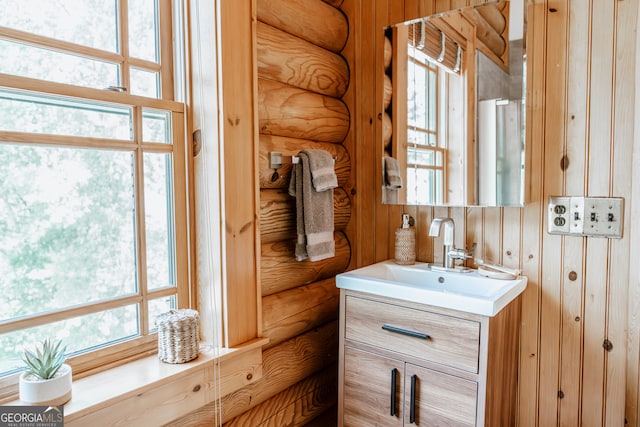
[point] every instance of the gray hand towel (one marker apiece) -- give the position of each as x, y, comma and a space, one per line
392, 178
314, 208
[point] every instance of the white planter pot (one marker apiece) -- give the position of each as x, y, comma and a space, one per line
53, 392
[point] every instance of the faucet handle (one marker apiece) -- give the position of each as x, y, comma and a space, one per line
463, 254
472, 250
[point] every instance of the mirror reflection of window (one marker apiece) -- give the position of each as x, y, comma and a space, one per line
434, 138
425, 159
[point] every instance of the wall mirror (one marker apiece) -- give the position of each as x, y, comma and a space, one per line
454, 108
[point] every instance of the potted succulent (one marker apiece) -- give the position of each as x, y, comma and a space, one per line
47, 380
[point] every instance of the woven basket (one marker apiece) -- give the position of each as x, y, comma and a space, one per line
178, 332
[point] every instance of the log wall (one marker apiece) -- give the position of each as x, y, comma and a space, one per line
303, 89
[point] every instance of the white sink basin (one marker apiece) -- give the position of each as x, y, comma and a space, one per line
469, 292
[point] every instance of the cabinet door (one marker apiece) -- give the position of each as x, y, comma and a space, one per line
372, 389
436, 399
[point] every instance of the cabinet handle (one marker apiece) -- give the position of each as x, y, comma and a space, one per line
394, 376
412, 407
405, 332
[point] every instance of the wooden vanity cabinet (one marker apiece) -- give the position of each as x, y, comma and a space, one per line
404, 364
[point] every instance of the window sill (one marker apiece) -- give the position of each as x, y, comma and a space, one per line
150, 392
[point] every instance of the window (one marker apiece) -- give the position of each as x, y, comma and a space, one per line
425, 160
93, 234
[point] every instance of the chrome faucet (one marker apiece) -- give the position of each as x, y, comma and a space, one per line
449, 252
434, 231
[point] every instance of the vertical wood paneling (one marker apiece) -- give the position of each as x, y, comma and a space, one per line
533, 215
367, 133
424, 244
351, 10
572, 295
475, 230
622, 141
580, 73
492, 242
632, 209
598, 184
511, 237
240, 155
553, 185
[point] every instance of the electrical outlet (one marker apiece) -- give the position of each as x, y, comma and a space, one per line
559, 220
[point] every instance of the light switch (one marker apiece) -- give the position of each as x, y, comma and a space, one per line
604, 217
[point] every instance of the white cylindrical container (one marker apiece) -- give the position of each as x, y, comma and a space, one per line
52, 392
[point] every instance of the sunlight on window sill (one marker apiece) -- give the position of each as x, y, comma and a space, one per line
155, 392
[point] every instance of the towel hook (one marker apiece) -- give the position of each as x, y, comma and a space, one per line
276, 160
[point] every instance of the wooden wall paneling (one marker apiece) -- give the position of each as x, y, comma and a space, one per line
475, 230
393, 12
598, 184
512, 237
414, 9
551, 303
492, 242
442, 5
288, 111
297, 62
278, 213
632, 208
294, 406
281, 271
424, 243
457, 4
349, 8
373, 59
621, 171
533, 215
312, 20
572, 290
291, 147
293, 312
240, 156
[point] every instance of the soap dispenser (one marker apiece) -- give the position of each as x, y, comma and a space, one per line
406, 242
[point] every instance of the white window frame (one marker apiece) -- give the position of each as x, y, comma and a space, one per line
146, 343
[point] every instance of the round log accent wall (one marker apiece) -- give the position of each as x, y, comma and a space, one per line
278, 214
288, 111
311, 20
302, 77
281, 271
299, 63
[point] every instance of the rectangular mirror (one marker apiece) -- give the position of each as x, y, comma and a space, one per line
454, 108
